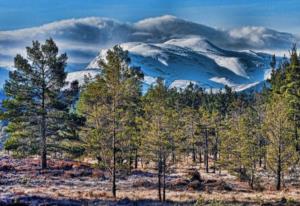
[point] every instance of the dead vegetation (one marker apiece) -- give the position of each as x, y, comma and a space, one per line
77, 183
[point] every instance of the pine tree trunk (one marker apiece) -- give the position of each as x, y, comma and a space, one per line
164, 180
252, 178
206, 151
130, 163
44, 144
114, 154
194, 148
216, 152
173, 157
194, 153
43, 130
296, 133
200, 155
159, 179
114, 168
278, 183
136, 159
260, 161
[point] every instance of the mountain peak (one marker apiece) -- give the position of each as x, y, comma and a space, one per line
160, 45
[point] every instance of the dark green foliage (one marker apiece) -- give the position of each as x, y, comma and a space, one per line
37, 110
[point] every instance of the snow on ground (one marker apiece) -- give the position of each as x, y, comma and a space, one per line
78, 183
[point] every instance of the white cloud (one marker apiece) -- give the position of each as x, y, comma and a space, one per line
83, 38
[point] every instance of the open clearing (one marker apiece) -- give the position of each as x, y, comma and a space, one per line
75, 183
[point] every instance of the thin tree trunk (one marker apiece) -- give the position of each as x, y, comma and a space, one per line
206, 151
252, 177
43, 130
130, 162
173, 157
194, 153
136, 159
216, 152
193, 139
114, 153
44, 144
296, 133
260, 161
278, 184
164, 180
159, 179
200, 155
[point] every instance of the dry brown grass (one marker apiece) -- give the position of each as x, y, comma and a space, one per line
140, 186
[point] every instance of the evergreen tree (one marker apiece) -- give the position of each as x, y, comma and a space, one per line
291, 89
157, 141
36, 106
191, 136
250, 144
273, 62
281, 153
109, 105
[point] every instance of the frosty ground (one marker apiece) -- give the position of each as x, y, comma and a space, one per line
77, 183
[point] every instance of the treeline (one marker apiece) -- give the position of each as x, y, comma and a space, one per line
110, 120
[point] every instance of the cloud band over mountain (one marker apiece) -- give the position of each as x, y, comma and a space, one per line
83, 38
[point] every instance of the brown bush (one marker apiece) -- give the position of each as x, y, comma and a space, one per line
196, 185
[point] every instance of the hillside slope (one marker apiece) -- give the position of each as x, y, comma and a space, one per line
193, 59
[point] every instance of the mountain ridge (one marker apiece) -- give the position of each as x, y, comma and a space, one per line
222, 50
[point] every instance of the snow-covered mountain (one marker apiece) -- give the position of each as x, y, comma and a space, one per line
193, 59
176, 49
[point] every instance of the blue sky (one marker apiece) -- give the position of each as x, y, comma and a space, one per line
283, 15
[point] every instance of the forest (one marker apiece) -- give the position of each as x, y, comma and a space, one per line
110, 123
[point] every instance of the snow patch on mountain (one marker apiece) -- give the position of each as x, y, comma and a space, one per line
81, 75
231, 63
192, 59
224, 81
149, 80
165, 46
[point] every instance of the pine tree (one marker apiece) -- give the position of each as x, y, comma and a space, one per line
216, 121
291, 90
230, 147
109, 104
93, 105
157, 141
36, 106
281, 153
191, 120
250, 144
206, 130
273, 62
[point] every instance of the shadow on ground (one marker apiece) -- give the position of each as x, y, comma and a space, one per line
42, 201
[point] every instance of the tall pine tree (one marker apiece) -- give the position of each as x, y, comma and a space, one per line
36, 106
